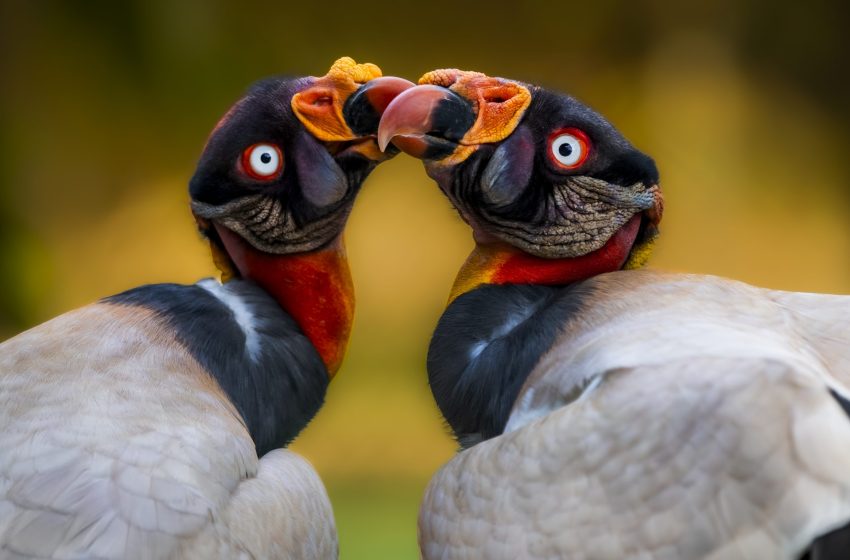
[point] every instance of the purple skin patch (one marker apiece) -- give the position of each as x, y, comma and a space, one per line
322, 181
509, 171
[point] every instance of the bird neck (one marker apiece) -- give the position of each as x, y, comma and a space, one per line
485, 346
314, 288
238, 335
496, 262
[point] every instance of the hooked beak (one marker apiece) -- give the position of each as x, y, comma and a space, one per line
451, 113
426, 122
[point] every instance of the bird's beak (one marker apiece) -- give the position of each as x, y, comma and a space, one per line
344, 107
451, 113
427, 123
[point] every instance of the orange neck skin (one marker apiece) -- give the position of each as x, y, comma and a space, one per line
500, 263
314, 288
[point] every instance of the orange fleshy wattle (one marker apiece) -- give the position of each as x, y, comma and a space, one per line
319, 107
314, 288
499, 104
499, 263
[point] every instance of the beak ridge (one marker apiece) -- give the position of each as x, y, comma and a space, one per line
363, 109
424, 118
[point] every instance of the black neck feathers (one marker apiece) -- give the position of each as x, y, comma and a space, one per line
250, 346
484, 347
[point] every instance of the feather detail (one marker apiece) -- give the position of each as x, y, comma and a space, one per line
674, 416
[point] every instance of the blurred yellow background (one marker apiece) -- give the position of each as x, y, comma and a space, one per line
104, 107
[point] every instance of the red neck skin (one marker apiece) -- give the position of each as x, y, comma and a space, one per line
314, 288
500, 263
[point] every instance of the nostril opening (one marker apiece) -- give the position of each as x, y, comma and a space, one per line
498, 94
323, 100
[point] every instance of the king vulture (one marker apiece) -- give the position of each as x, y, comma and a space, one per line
150, 424
605, 412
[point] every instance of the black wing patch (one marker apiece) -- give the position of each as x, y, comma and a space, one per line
831, 546
279, 389
845, 404
484, 347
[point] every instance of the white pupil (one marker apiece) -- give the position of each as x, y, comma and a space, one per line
264, 160
567, 149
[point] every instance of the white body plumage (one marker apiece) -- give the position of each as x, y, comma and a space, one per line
675, 417
116, 443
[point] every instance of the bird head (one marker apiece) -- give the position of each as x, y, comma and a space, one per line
275, 185
552, 191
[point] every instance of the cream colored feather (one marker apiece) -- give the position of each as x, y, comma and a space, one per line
676, 417
114, 443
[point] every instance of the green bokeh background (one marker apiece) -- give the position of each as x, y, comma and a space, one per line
104, 107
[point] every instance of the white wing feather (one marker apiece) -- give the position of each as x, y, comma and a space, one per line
121, 446
704, 429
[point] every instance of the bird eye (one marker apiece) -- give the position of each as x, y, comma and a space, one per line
569, 148
262, 161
